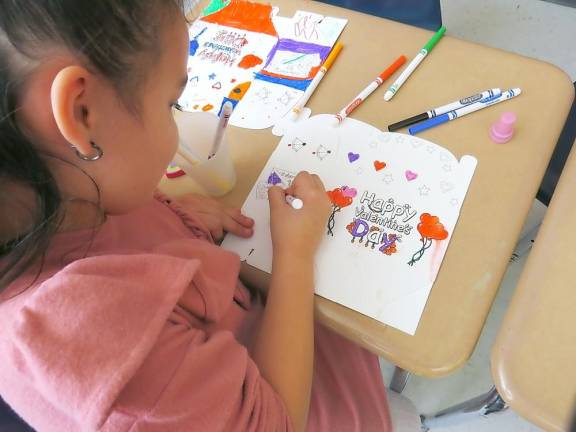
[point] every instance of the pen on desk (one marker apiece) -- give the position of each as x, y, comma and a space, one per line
296, 203
370, 89
414, 64
316, 81
452, 115
444, 109
225, 114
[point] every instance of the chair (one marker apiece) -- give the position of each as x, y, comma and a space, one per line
9, 420
419, 13
559, 157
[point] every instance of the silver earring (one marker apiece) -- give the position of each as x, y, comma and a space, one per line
95, 157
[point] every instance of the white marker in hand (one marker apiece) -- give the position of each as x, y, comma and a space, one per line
296, 203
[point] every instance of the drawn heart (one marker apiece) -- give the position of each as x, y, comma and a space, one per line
410, 175
379, 165
431, 227
352, 157
349, 192
338, 199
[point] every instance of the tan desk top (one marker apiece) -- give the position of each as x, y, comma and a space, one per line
534, 357
501, 193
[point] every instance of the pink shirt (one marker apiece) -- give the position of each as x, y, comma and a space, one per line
149, 329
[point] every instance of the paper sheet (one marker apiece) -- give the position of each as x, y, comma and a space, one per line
244, 53
396, 200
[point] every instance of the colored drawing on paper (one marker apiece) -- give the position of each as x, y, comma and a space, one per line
240, 41
375, 215
379, 165
307, 28
340, 197
410, 175
353, 157
239, 91
292, 62
215, 6
249, 61
274, 179
194, 45
372, 230
207, 107
374, 236
294, 65
430, 229
244, 15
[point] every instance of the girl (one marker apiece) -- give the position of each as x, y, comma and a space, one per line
118, 311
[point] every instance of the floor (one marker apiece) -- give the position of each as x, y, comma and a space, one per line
536, 29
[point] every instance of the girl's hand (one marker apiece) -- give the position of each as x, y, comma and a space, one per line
216, 217
299, 231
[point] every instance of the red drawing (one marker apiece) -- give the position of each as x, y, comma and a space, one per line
378, 165
430, 229
341, 197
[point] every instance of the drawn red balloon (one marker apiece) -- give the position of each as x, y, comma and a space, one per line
338, 199
430, 227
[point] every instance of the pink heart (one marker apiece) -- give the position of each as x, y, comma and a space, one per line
349, 192
410, 175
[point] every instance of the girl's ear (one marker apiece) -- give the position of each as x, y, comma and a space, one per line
72, 108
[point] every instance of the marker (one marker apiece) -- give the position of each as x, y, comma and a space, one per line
509, 94
414, 64
319, 75
227, 109
370, 89
296, 203
445, 108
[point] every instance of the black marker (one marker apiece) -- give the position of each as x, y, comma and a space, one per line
444, 109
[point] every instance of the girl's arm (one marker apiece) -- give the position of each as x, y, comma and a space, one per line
284, 349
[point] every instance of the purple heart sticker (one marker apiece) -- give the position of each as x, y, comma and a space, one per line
353, 157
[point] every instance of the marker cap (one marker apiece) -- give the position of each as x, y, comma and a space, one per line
427, 124
434, 40
503, 130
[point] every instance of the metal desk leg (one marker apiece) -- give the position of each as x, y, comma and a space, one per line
399, 380
488, 403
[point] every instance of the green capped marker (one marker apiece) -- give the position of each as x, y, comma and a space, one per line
414, 64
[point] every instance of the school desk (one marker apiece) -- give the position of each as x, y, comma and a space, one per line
499, 197
534, 357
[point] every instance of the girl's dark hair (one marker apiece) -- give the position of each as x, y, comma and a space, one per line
109, 36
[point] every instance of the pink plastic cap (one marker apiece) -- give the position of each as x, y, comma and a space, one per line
503, 129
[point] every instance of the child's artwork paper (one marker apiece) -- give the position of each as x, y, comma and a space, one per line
245, 53
396, 200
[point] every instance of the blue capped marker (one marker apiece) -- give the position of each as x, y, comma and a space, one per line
452, 115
